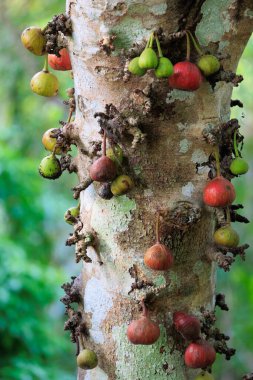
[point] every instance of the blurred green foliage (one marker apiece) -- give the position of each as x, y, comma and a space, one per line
33, 261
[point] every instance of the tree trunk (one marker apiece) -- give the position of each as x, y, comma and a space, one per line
168, 166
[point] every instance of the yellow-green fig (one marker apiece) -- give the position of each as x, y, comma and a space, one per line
50, 167
45, 84
121, 185
226, 236
239, 166
34, 40
71, 212
204, 375
115, 154
87, 359
164, 68
148, 59
208, 64
49, 142
134, 67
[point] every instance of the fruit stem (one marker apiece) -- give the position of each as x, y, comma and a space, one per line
235, 144
147, 44
196, 45
228, 216
157, 228
104, 144
45, 68
81, 341
144, 308
217, 159
160, 53
188, 47
70, 115
151, 40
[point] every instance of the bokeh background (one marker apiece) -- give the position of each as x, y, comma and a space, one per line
34, 261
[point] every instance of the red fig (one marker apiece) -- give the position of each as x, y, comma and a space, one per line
158, 257
199, 355
143, 330
187, 76
61, 63
219, 192
187, 325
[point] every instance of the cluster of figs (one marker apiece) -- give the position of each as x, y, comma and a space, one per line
107, 170
183, 75
199, 354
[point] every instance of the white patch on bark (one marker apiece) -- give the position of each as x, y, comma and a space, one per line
98, 302
199, 156
188, 189
183, 96
184, 146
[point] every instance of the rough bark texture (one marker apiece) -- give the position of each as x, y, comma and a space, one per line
163, 166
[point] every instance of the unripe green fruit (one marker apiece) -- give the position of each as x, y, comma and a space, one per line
45, 84
50, 167
122, 185
148, 59
204, 376
72, 211
227, 237
50, 142
164, 68
87, 359
115, 154
134, 67
208, 64
239, 166
33, 39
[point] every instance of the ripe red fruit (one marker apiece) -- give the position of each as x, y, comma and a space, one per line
199, 355
143, 330
103, 170
187, 325
219, 192
61, 63
158, 257
187, 76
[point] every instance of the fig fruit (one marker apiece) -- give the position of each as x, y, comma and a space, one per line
134, 67
148, 59
158, 257
219, 192
61, 63
115, 154
121, 185
87, 359
50, 167
71, 214
186, 76
33, 40
49, 142
199, 355
204, 375
45, 84
208, 64
103, 170
227, 237
239, 166
164, 68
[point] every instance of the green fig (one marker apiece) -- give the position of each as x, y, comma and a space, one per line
33, 39
226, 236
239, 166
148, 59
208, 64
45, 84
164, 68
50, 167
115, 154
204, 375
71, 214
134, 67
121, 185
87, 359
49, 142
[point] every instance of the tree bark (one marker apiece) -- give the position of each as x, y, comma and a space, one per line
168, 166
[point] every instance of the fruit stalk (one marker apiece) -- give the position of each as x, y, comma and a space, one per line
45, 68
217, 159
188, 47
197, 47
235, 144
160, 53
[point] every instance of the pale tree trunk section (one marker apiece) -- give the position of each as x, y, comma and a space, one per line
164, 167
